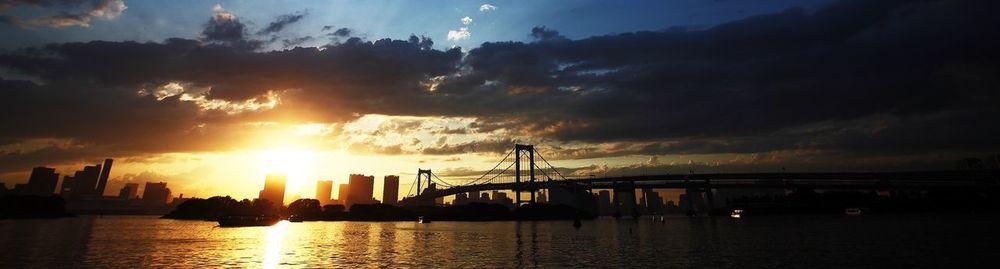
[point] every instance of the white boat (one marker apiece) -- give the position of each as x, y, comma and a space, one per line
737, 213
423, 220
853, 211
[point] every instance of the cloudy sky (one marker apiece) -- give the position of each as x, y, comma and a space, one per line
211, 95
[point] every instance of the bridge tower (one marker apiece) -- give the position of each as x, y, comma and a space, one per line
421, 173
520, 150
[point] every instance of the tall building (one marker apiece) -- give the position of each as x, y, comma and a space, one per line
342, 193
129, 191
390, 190
66, 190
274, 189
102, 182
155, 194
361, 190
84, 182
324, 190
42, 181
651, 201
604, 203
474, 196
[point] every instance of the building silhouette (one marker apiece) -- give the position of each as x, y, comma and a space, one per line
324, 190
461, 199
604, 203
102, 182
651, 201
129, 191
274, 189
87, 183
390, 190
155, 194
42, 182
342, 193
82, 183
360, 191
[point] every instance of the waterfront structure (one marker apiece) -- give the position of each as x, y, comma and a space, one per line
390, 190
129, 191
102, 181
360, 191
274, 189
324, 191
155, 194
42, 182
87, 183
343, 190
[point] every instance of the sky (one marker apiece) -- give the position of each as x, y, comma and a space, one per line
210, 96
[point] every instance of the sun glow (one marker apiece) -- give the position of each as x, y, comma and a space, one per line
298, 165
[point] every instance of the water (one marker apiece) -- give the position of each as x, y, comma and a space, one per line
923, 241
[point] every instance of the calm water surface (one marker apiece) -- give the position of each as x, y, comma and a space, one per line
907, 241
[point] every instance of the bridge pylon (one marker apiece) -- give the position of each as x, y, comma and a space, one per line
421, 174
519, 179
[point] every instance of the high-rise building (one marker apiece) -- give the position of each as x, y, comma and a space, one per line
103, 180
342, 193
474, 196
129, 191
274, 189
361, 190
604, 203
42, 181
651, 201
84, 182
66, 190
390, 190
324, 190
156, 194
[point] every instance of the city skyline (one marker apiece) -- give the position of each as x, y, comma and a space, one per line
212, 96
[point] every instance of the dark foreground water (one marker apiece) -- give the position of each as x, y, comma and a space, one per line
900, 241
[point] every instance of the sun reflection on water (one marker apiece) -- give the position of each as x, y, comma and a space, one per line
275, 237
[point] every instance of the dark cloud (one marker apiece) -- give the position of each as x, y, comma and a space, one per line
292, 42
496, 146
281, 22
224, 28
69, 12
872, 79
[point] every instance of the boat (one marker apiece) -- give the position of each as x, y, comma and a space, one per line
248, 221
421, 219
295, 218
853, 211
577, 223
737, 213
662, 220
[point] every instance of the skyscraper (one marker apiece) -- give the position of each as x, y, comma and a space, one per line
604, 203
342, 193
274, 189
361, 190
42, 181
129, 191
84, 182
103, 181
390, 190
155, 194
324, 190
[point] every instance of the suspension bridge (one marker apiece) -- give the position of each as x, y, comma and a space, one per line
525, 172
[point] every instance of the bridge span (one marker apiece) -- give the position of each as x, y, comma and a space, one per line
521, 172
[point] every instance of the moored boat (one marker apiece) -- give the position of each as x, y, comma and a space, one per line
853, 211
737, 213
